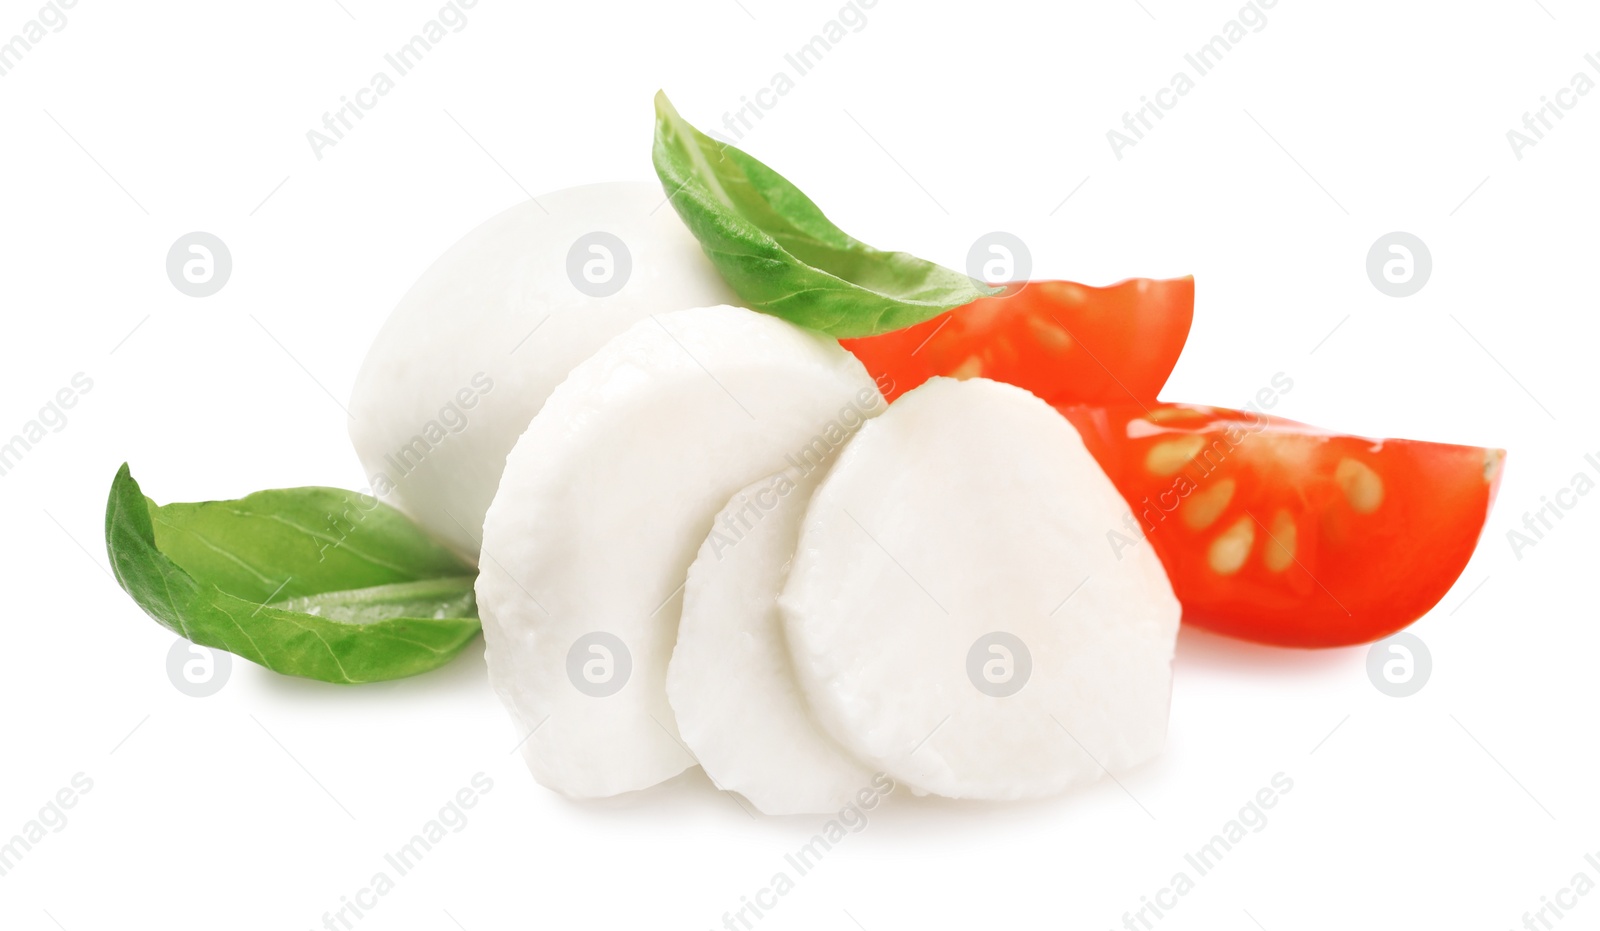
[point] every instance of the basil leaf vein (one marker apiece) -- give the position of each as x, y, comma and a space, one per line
781, 254
368, 598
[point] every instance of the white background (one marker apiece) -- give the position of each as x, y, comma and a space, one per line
262, 806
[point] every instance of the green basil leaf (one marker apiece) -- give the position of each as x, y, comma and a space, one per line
312, 582
779, 252
318, 539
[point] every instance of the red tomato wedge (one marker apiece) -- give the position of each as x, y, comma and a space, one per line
1068, 343
1281, 533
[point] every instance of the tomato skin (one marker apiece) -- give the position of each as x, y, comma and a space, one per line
1270, 530
1281, 533
1067, 343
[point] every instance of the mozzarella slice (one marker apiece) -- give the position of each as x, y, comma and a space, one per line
731, 683
956, 616
603, 505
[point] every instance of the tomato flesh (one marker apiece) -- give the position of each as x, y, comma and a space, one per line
1285, 534
1067, 343
1271, 530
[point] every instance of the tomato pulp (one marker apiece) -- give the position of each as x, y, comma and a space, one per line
1067, 343
1282, 533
